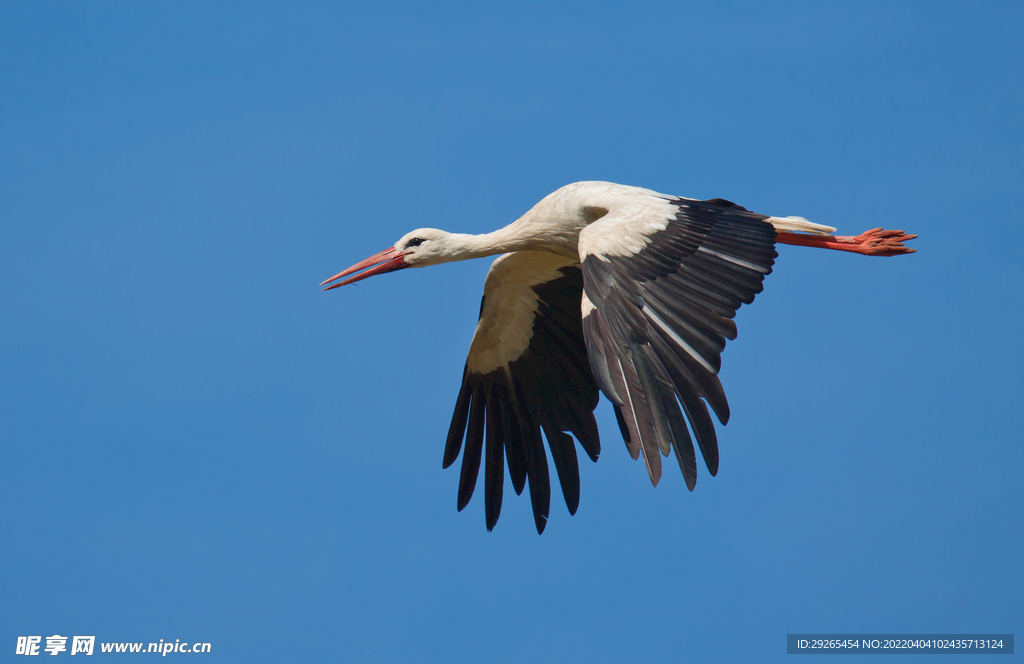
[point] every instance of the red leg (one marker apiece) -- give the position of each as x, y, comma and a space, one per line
876, 242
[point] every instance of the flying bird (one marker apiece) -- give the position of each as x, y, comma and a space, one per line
603, 288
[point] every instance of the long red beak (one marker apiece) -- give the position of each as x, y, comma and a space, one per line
389, 260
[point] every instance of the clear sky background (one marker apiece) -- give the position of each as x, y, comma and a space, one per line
196, 443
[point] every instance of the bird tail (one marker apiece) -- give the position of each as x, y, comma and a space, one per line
799, 225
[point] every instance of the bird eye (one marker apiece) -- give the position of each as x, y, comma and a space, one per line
415, 242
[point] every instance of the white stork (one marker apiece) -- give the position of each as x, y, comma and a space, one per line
603, 287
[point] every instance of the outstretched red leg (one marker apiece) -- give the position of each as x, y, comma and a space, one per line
876, 242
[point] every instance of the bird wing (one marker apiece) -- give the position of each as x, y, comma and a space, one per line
662, 281
527, 371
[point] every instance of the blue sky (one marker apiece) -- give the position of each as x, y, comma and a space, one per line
198, 444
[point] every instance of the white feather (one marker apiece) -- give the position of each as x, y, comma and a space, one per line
800, 225
510, 305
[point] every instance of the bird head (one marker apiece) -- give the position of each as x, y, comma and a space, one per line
419, 248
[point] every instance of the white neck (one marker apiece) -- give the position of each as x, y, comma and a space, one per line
461, 246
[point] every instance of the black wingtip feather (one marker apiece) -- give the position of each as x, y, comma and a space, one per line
474, 447
715, 395
457, 430
536, 461
589, 437
563, 453
494, 468
704, 430
515, 445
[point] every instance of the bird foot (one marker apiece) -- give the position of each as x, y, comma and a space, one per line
875, 242
878, 242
